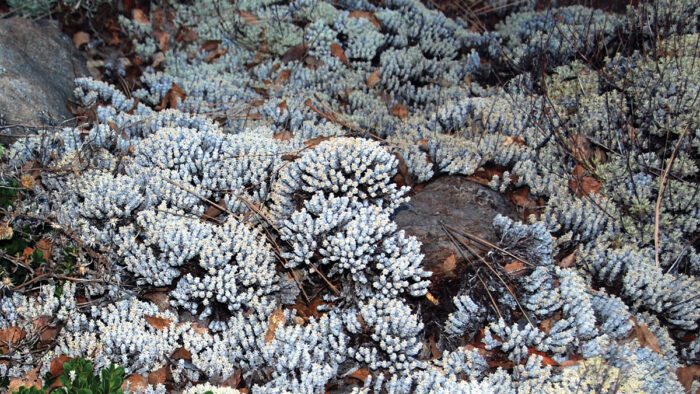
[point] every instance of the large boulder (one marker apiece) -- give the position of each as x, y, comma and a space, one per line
38, 64
455, 202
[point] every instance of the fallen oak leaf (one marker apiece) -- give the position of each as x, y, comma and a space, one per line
514, 268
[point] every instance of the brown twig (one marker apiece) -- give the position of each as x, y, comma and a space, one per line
657, 210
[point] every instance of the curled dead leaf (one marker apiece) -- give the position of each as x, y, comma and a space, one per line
276, 318
449, 265
181, 354
285, 135
645, 337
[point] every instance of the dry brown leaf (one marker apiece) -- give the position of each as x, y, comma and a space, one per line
10, 336
209, 45
234, 380
135, 382
276, 318
361, 374
449, 265
339, 53
686, 375
157, 59
374, 78
158, 19
182, 354
30, 379
514, 268
294, 53
159, 323
310, 143
27, 181
160, 298
56, 368
514, 140
139, 16
434, 351
400, 111
163, 39
568, 261
546, 325
215, 55
568, 363
45, 246
282, 78
158, 376
521, 198
645, 337
432, 299
249, 18
366, 14
6, 232
174, 96
283, 136
81, 38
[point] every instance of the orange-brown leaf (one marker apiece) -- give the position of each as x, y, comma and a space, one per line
249, 18
10, 336
449, 265
366, 14
81, 38
139, 16
44, 245
209, 45
361, 374
182, 354
514, 268
686, 375
159, 323
285, 135
135, 382
56, 368
282, 77
310, 143
158, 376
400, 111
432, 299
646, 338
215, 55
338, 52
163, 39
295, 53
173, 97
568, 261
30, 379
514, 140
276, 318
374, 78
521, 198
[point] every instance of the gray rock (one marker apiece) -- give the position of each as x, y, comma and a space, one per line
455, 202
38, 64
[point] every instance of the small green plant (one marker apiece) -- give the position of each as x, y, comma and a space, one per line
78, 378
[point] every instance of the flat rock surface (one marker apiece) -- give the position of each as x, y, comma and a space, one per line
38, 64
455, 202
